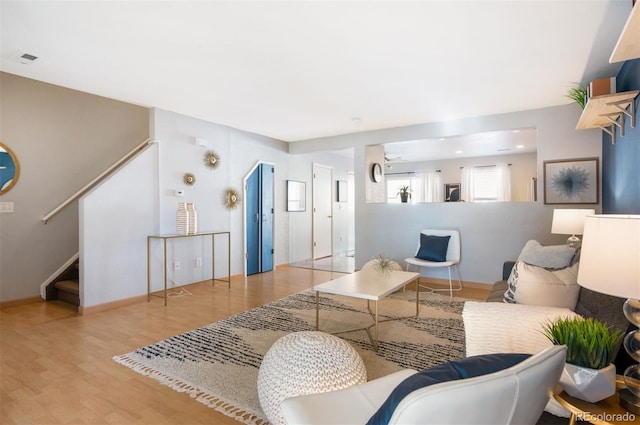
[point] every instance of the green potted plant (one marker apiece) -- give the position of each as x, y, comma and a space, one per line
405, 193
589, 373
578, 94
382, 264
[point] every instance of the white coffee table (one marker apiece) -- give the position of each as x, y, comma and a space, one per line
370, 285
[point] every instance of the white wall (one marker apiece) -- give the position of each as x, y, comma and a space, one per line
239, 151
300, 223
490, 233
115, 219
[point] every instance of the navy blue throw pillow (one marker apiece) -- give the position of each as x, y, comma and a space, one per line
456, 369
433, 248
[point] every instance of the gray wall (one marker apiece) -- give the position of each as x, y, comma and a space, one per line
63, 139
490, 232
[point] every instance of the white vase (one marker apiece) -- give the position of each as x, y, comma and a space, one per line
591, 385
193, 218
182, 219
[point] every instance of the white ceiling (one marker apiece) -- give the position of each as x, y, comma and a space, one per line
304, 69
503, 142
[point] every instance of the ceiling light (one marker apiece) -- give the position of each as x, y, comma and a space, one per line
516, 131
519, 146
459, 151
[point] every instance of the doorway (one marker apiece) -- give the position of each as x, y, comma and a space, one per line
322, 212
258, 212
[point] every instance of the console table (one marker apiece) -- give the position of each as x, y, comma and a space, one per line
164, 239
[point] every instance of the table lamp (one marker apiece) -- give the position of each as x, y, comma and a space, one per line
610, 264
570, 222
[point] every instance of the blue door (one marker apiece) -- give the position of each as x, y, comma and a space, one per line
267, 217
252, 202
259, 225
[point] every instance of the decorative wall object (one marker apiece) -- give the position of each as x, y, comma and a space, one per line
9, 169
231, 198
296, 196
341, 191
193, 218
572, 181
452, 192
376, 172
182, 219
211, 159
189, 179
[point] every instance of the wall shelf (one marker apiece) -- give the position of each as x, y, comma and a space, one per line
628, 46
608, 112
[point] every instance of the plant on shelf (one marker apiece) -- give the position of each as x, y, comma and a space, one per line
591, 344
405, 193
578, 94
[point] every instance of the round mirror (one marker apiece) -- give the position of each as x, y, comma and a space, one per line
9, 169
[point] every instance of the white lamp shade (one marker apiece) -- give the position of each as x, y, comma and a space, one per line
569, 222
610, 258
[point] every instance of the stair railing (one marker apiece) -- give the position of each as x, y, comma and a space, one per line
93, 182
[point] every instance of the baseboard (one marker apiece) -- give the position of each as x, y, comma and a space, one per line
21, 301
111, 305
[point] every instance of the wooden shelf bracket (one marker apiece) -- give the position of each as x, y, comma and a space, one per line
629, 109
616, 119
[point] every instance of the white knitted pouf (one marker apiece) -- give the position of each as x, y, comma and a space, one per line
306, 363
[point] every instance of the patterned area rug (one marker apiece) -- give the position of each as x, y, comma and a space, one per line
218, 364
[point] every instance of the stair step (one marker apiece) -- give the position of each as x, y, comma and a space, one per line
70, 286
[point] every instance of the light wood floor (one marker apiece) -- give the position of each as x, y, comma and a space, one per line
56, 366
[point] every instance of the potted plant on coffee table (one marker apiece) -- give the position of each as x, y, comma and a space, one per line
405, 193
589, 373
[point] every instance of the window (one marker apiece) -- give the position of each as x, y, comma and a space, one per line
426, 186
489, 183
393, 186
485, 184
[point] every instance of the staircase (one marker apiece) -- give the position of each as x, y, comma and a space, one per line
66, 287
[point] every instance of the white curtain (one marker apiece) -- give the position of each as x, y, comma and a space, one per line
466, 180
504, 182
432, 190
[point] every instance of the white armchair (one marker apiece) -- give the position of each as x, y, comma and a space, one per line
517, 395
451, 258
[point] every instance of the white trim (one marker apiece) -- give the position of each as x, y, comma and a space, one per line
43, 286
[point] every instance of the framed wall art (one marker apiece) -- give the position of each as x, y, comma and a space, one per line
452, 192
341, 191
572, 181
296, 196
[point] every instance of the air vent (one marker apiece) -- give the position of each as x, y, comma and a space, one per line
27, 59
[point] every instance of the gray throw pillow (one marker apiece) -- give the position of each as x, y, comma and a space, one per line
550, 257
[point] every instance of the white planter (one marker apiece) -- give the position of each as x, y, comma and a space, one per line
591, 385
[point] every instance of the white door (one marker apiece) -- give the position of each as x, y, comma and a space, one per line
322, 214
351, 235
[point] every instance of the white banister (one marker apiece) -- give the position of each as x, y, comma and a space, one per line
89, 185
